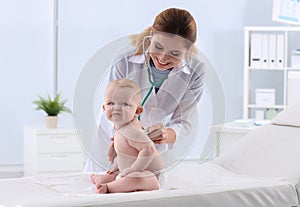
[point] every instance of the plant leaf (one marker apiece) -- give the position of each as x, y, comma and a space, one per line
51, 107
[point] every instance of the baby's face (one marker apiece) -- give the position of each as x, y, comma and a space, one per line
120, 104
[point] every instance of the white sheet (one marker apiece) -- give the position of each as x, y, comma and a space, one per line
269, 151
188, 184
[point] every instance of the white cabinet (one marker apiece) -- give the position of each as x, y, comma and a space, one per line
268, 67
52, 151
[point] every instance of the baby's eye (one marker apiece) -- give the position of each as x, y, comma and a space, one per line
124, 104
110, 103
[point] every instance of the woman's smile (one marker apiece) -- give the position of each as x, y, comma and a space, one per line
162, 63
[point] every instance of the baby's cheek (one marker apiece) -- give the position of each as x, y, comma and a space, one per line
129, 115
107, 112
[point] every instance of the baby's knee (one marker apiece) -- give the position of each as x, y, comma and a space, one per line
145, 180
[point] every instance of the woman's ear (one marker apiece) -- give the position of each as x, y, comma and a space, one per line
139, 110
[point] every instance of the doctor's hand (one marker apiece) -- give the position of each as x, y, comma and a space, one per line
161, 135
111, 151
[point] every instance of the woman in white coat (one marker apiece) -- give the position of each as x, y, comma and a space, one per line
164, 63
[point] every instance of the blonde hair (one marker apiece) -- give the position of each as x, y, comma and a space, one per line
126, 83
173, 21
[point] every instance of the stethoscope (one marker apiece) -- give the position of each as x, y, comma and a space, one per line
153, 84
147, 65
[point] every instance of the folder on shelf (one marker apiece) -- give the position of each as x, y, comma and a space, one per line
280, 51
265, 50
272, 50
293, 87
295, 59
255, 50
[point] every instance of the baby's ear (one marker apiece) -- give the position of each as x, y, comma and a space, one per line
103, 107
139, 110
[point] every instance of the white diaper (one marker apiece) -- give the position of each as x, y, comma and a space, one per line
118, 177
162, 180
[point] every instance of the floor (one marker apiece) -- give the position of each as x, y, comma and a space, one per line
11, 171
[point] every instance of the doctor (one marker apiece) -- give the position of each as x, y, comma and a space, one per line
163, 62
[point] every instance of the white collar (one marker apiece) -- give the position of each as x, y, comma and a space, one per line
137, 59
141, 60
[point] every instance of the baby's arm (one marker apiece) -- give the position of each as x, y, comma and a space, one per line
114, 168
145, 156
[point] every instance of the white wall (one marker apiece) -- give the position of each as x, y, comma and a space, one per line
26, 70
85, 26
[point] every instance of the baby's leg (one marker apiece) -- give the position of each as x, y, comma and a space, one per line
136, 181
104, 178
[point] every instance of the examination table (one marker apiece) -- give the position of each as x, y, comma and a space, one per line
262, 170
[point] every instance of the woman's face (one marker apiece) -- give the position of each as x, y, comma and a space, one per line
167, 51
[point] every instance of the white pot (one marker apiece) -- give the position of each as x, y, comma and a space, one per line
51, 121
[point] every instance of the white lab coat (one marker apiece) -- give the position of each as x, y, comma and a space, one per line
173, 105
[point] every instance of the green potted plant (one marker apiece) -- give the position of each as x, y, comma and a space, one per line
52, 107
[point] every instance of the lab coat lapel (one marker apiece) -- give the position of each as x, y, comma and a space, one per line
168, 88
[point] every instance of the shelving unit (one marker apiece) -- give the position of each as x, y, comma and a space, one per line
270, 74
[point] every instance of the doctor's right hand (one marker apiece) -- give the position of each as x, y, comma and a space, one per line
161, 135
154, 131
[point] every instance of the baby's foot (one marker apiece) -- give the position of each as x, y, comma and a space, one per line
102, 189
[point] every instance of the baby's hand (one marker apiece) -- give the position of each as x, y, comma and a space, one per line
126, 171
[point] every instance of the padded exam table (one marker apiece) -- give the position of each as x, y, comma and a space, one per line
262, 170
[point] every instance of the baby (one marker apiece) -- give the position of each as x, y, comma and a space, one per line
138, 161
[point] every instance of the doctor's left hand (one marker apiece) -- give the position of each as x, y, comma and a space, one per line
161, 135
111, 153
